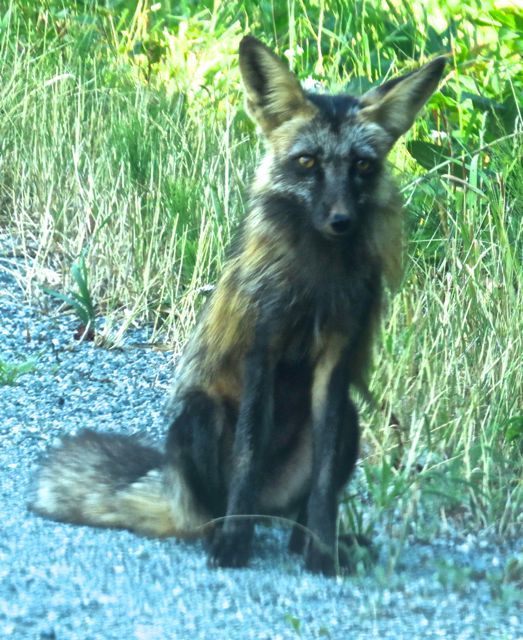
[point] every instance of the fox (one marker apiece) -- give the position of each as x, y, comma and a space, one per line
261, 420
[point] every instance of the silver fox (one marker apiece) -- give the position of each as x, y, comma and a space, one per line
261, 419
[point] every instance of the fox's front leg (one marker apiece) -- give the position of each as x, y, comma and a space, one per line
231, 543
335, 442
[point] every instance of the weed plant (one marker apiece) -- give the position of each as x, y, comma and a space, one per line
11, 371
124, 143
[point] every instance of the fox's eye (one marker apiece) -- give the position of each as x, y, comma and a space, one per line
306, 162
363, 166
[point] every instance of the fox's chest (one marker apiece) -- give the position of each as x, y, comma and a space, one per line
307, 323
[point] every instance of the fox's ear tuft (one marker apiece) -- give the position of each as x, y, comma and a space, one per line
273, 93
395, 103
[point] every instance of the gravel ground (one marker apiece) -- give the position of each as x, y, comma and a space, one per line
65, 582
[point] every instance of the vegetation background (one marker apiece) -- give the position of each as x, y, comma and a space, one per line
125, 156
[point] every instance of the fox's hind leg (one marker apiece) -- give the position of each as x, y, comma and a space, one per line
194, 448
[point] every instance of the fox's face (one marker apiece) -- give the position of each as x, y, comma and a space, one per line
327, 153
331, 165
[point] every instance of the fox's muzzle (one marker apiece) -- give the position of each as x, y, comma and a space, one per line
339, 219
339, 223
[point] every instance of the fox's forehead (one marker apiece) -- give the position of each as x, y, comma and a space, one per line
353, 136
333, 128
336, 130
334, 108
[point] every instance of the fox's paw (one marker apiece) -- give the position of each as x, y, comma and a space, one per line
230, 547
351, 553
320, 560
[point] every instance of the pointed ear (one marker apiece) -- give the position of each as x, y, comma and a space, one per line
394, 104
273, 93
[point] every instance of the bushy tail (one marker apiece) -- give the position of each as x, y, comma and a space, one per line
108, 480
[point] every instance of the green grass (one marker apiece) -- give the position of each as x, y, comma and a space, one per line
11, 371
125, 144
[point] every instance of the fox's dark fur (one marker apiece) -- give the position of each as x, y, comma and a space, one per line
260, 419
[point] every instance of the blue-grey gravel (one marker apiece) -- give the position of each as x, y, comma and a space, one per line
63, 582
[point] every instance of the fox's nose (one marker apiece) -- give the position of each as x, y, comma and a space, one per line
339, 222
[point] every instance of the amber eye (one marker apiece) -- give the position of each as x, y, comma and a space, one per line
363, 166
306, 162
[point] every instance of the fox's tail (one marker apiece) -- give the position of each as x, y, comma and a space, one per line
108, 480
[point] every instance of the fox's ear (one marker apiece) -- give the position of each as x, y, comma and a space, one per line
273, 93
394, 104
